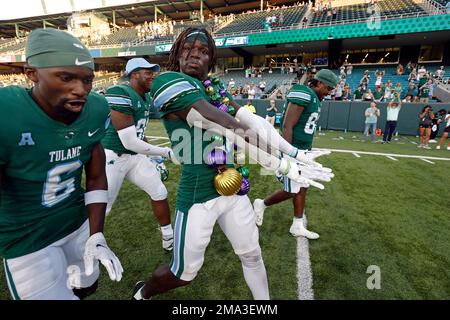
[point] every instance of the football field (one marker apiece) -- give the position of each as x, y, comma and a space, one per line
387, 207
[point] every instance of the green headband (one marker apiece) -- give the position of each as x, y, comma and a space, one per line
46, 48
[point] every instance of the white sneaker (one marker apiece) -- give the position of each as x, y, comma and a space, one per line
259, 207
420, 146
426, 147
432, 141
297, 229
438, 147
448, 148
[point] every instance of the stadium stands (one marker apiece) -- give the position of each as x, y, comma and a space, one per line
272, 80
362, 12
255, 21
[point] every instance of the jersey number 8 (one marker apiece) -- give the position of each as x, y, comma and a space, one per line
311, 124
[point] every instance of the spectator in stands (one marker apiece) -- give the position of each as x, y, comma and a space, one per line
425, 123
271, 112
400, 69
358, 94
349, 69
245, 91
347, 94
372, 113
252, 92
262, 86
378, 94
365, 79
397, 92
424, 92
409, 68
379, 75
413, 75
440, 73
304, 22
231, 84
339, 91
393, 109
250, 107
412, 93
446, 131
421, 72
388, 92
368, 95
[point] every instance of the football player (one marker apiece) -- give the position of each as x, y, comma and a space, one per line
51, 230
125, 144
185, 102
299, 120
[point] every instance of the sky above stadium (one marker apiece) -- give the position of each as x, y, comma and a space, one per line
30, 8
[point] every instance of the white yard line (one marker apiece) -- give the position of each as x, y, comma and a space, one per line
427, 161
356, 155
386, 154
156, 137
304, 273
392, 158
163, 144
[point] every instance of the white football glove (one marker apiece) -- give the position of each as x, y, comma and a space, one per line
305, 174
308, 157
315, 173
172, 157
96, 250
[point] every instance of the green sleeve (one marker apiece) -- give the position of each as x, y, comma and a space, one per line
119, 100
299, 97
174, 91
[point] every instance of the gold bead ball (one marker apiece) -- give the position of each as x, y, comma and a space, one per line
228, 182
226, 100
210, 90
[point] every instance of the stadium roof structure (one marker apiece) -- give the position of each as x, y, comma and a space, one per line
137, 13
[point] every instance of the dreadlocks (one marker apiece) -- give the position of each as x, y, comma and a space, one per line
175, 51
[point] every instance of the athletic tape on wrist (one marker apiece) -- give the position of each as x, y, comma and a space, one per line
96, 196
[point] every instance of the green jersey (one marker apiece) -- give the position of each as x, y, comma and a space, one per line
303, 131
41, 198
125, 99
174, 91
425, 92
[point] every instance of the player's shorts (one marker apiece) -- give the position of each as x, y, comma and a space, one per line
193, 231
52, 272
138, 169
425, 126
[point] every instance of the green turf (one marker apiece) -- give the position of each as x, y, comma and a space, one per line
376, 211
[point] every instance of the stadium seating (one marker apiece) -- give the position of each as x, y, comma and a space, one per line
255, 21
390, 74
272, 80
10, 46
442, 2
361, 11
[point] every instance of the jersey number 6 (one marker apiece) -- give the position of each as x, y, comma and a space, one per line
56, 190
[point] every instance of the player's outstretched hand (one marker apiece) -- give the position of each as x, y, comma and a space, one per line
96, 250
